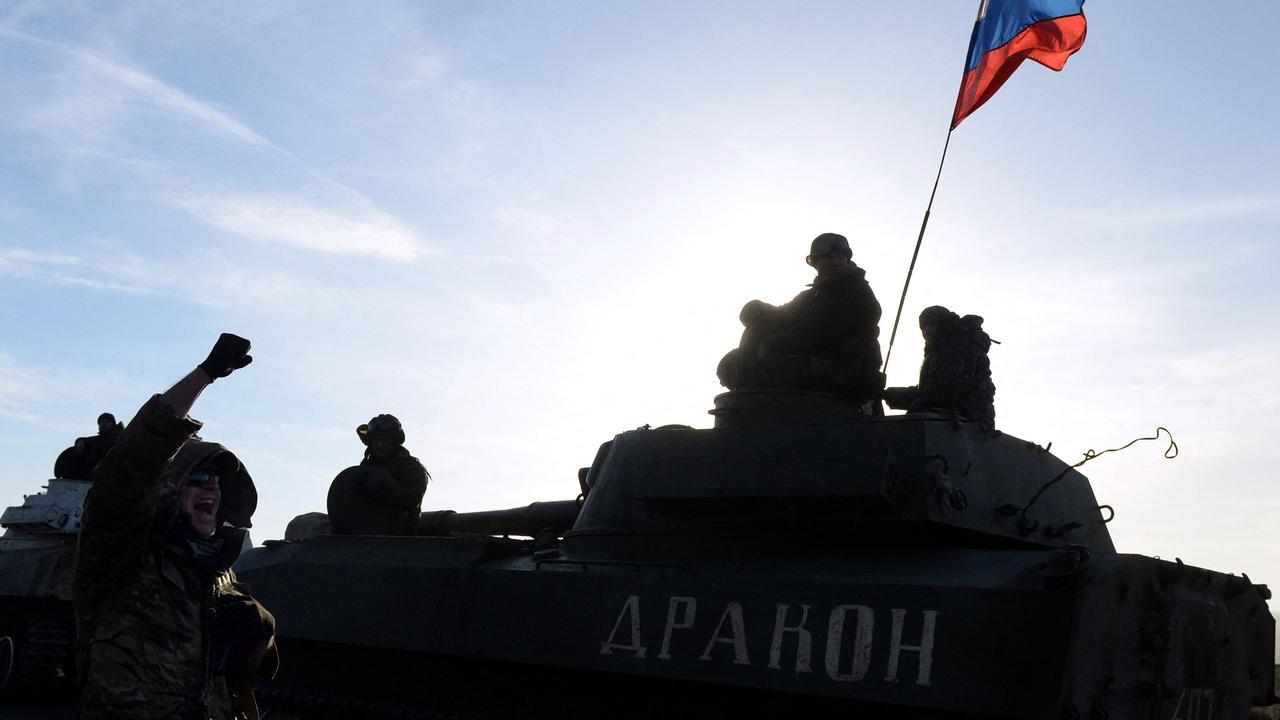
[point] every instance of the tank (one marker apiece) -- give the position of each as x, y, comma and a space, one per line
799, 558
37, 557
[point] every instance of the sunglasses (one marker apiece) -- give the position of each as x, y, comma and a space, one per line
200, 478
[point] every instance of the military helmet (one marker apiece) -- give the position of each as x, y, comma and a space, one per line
384, 424
828, 243
937, 315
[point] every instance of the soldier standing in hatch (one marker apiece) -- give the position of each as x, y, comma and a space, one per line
826, 339
383, 494
955, 376
164, 630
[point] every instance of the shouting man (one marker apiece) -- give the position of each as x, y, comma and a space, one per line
164, 628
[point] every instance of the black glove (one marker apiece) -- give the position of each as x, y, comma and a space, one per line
231, 352
900, 398
238, 621
240, 617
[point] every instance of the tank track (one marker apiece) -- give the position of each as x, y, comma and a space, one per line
35, 656
286, 703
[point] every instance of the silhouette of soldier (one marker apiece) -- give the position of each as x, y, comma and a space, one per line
383, 494
826, 339
955, 376
108, 434
77, 461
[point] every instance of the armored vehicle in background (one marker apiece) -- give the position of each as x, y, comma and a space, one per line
37, 557
798, 559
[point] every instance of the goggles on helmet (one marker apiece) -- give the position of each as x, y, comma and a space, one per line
828, 243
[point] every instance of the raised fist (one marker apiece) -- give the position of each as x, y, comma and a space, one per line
231, 352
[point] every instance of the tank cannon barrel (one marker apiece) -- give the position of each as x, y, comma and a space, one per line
556, 515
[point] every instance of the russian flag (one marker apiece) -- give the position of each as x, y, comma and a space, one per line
1010, 31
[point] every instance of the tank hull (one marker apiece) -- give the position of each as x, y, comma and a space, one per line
799, 554
1008, 633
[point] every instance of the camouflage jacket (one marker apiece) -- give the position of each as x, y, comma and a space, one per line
822, 320
955, 375
142, 598
835, 325
956, 371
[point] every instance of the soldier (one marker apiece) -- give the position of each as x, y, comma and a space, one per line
164, 630
825, 339
955, 376
77, 461
108, 434
383, 494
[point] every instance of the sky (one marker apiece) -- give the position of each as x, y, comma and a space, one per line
525, 227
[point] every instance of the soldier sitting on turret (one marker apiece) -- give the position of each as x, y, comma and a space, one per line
825, 339
108, 433
383, 494
955, 376
77, 461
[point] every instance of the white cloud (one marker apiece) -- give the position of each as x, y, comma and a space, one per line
221, 283
169, 98
36, 395
92, 116
20, 389
1177, 213
65, 269
105, 74
18, 256
365, 231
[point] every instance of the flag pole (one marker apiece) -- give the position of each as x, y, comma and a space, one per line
982, 14
1053, 55
919, 238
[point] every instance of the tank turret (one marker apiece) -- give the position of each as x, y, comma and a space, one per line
797, 465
